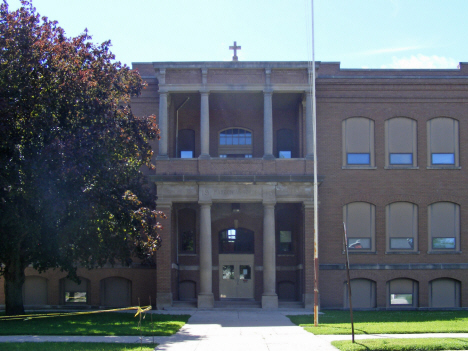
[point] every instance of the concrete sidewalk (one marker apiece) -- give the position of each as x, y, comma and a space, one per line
210, 330
236, 330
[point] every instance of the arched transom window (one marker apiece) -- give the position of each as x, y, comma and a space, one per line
235, 142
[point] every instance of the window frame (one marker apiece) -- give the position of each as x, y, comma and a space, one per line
456, 227
347, 139
390, 231
391, 149
433, 150
225, 150
359, 233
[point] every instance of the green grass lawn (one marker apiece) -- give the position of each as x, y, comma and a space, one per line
111, 323
386, 322
72, 346
427, 344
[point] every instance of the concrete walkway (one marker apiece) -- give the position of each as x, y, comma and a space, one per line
210, 330
236, 330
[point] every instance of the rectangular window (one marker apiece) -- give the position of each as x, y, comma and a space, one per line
401, 159
245, 272
443, 159
359, 243
285, 241
285, 154
358, 159
401, 243
186, 154
401, 299
443, 243
75, 296
228, 272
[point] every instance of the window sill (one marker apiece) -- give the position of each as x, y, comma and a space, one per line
187, 254
360, 252
444, 167
400, 167
402, 253
444, 252
358, 167
286, 255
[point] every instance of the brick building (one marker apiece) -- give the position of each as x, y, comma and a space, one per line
234, 174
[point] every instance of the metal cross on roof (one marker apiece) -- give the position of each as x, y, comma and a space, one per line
235, 47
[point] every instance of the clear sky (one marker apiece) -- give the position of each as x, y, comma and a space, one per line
357, 33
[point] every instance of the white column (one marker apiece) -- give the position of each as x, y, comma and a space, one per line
204, 125
267, 125
163, 124
205, 298
269, 297
309, 127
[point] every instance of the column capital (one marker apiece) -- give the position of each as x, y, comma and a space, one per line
269, 203
268, 91
205, 203
165, 203
308, 205
161, 76
204, 91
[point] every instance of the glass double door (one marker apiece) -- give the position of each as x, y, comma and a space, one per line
236, 276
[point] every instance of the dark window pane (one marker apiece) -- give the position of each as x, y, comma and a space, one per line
401, 243
443, 243
401, 299
358, 159
236, 241
359, 243
401, 159
245, 272
443, 159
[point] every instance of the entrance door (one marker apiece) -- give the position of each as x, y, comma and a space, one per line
236, 276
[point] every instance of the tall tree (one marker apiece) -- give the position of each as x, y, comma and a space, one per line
71, 190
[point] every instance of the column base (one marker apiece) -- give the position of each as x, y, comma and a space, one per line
204, 157
163, 300
269, 157
310, 157
162, 157
269, 301
309, 301
205, 301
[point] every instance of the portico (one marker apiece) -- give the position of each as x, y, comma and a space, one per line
254, 210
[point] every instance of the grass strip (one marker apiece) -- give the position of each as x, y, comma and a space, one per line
73, 346
96, 324
426, 344
385, 322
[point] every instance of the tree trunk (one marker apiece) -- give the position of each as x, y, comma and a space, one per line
14, 280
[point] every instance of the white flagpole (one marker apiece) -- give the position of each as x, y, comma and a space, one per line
314, 124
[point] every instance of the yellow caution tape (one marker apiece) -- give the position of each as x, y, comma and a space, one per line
64, 314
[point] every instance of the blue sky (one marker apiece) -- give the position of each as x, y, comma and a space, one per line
357, 33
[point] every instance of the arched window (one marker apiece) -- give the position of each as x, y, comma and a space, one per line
362, 292
358, 142
402, 293
285, 143
187, 227
444, 293
186, 143
402, 226
444, 226
235, 142
238, 240
116, 292
443, 147
360, 226
400, 143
